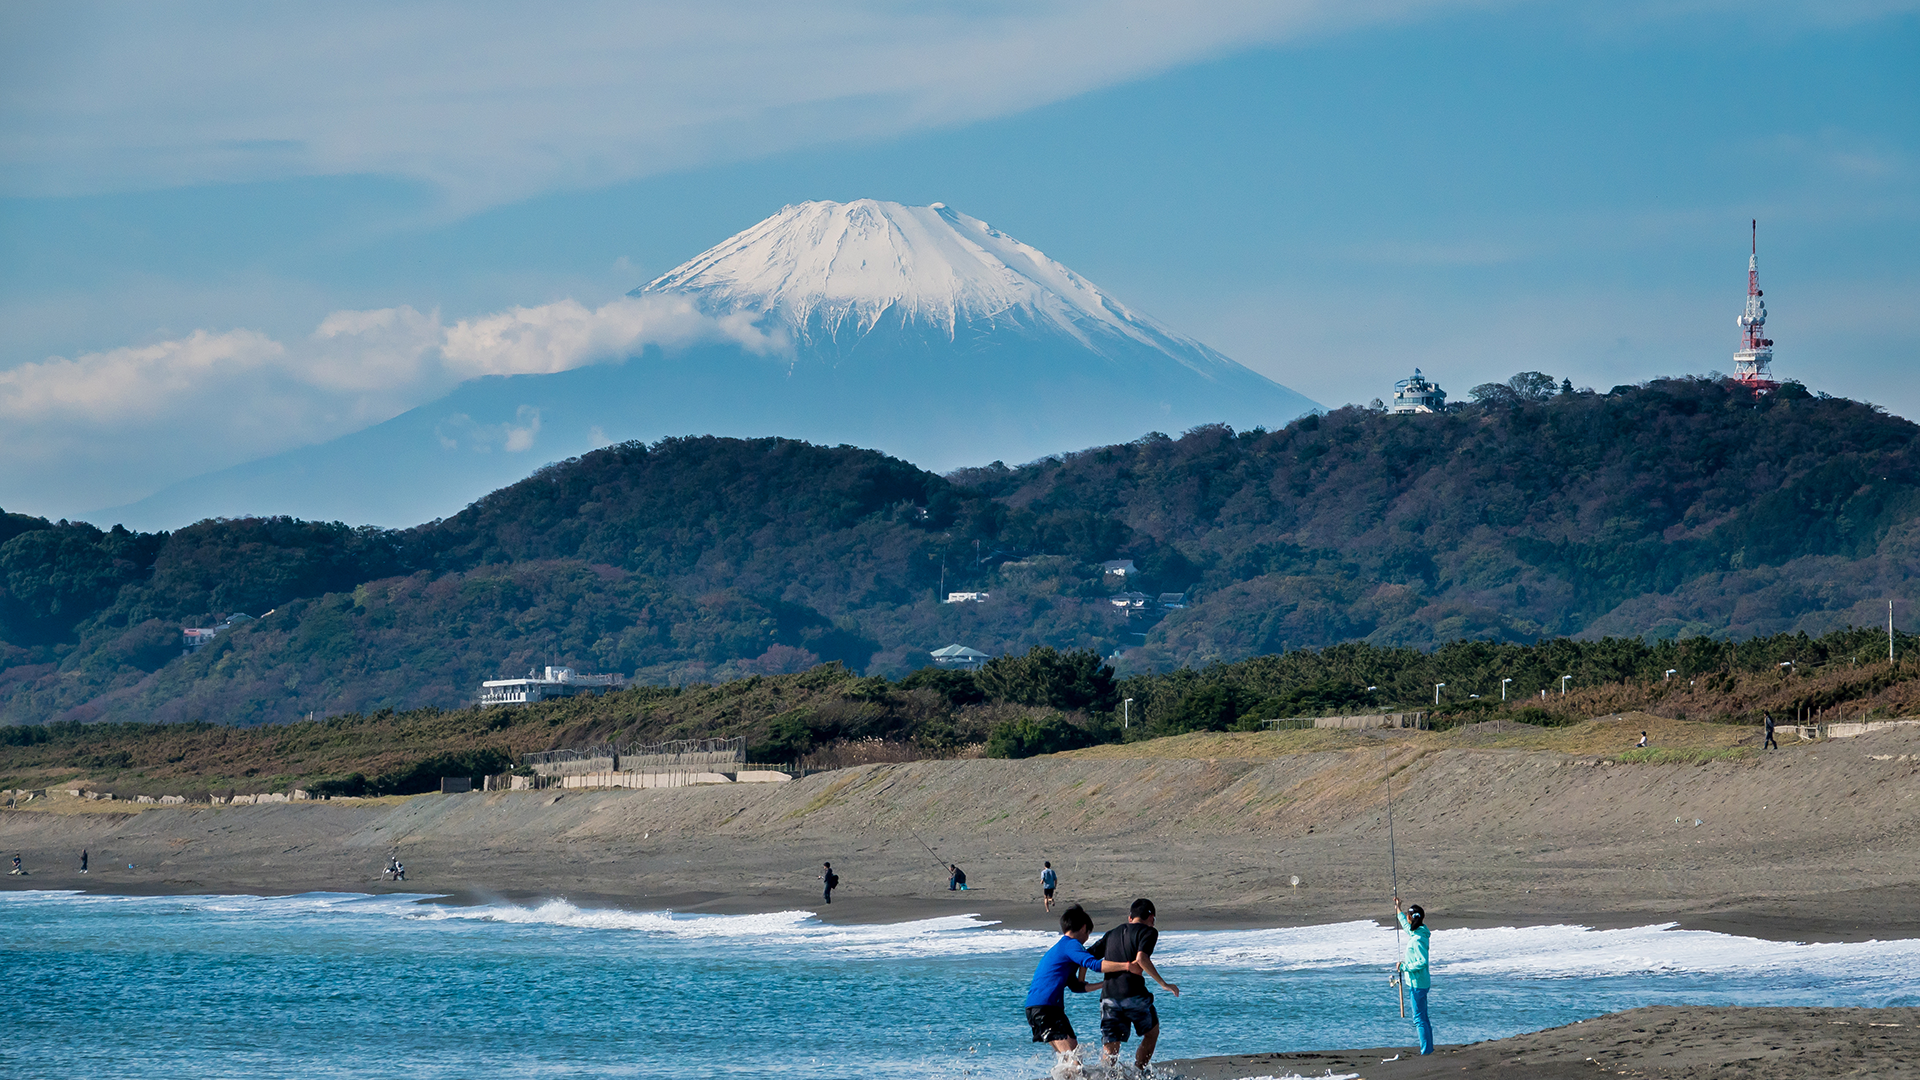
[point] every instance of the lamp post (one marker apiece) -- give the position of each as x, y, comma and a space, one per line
1126, 713
1670, 672
1563, 684
1503, 688
1436, 692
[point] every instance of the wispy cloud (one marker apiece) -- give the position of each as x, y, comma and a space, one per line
132, 419
493, 102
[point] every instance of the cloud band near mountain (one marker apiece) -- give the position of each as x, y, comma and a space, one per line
141, 416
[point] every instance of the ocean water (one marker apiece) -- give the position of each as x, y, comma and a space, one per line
327, 985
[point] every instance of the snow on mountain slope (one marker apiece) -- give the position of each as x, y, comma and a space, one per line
838, 269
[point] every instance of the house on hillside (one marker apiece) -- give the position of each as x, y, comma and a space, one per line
1118, 569
193, 638
959, 658
555, 682
1173, 601
1131, 601
967, 598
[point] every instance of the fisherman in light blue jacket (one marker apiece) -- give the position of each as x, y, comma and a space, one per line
1413, 967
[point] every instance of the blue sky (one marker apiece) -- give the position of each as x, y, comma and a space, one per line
1330, 193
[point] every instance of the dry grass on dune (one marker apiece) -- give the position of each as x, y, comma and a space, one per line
1609, 735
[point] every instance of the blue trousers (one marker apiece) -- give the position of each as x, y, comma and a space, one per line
1420, 1021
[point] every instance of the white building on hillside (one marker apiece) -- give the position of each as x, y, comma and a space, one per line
555, 682
1417, 395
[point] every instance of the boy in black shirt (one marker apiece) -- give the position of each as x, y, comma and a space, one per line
1125, 1003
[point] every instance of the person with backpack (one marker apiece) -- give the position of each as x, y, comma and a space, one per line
1125, 1003
829, 879
1048, 882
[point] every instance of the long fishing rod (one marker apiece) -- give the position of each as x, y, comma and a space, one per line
1393, 863
930, 851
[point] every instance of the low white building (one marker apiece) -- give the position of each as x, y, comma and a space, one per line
555, 682
967, 597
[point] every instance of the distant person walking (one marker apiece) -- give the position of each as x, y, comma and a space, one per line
1413, 967
1048, 882
1126, 1005
829, 881
83, 860
1769, 744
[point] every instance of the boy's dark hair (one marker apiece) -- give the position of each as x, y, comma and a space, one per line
1075, 918
1141, 909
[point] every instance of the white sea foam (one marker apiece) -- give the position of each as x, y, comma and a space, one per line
951, 934
1540, 952
1533, 952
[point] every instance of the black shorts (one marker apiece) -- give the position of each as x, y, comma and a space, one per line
1048, 893
1118, 1015
1049, 1022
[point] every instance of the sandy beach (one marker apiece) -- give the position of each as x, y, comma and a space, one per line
1814, 842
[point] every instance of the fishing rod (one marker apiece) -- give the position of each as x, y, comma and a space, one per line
930, 851
1393, 864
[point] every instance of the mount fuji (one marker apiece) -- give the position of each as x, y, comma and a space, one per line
914, 330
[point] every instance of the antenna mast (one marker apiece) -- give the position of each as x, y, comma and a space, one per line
1751, 365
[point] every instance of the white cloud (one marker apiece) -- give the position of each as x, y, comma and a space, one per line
131, 419
561, 336
493, 102
461, 431
121, 384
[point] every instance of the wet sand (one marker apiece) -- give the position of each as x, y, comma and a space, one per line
1666, 1042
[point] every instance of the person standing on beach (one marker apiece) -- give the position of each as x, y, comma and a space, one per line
1126, 1005
1048, 881
1413, 967
1769, 744
1059, 971
829, 880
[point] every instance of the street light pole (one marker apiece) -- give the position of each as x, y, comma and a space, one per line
1436, 692
1670, 672
1563, 684
1126, 713
1503, 688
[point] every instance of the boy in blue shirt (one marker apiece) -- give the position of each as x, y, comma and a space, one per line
1060, 969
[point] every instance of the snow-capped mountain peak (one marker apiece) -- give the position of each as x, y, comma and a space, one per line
830, 268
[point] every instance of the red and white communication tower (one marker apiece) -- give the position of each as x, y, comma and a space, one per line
1751, 363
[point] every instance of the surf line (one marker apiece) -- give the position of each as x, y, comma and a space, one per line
1393, 866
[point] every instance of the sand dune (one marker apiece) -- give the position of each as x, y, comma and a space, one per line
1812, 842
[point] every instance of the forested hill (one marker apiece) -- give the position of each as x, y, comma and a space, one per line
1674, 508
